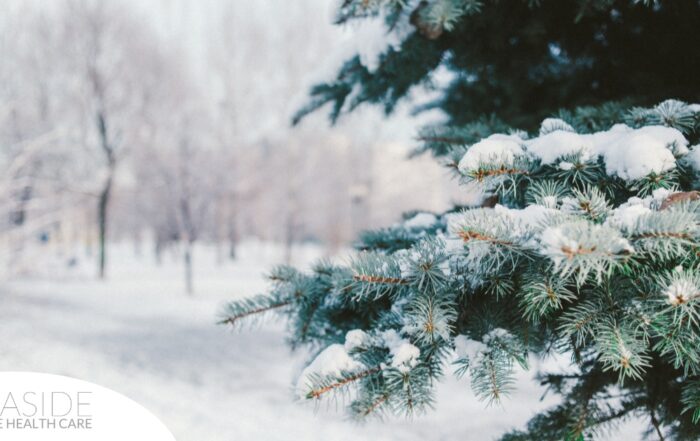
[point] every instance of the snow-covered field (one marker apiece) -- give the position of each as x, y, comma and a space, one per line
138, 334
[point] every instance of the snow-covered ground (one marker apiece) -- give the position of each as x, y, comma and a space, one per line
140, 335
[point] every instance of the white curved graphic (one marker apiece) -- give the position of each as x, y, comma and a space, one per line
44, 407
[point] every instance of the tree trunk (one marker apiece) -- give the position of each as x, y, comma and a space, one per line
232, 239
189, 233
19, 214
158, 251
232, 249
102, 211
189, 284
289, 240
106, 192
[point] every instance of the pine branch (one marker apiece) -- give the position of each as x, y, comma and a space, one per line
343, 381
368, 278
233, 318
236, 311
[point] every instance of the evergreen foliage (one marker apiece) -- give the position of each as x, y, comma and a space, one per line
523, 60
587, 246
581, 257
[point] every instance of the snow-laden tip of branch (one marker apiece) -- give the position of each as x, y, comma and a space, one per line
421, 220
583, 248
629, 154
404, 354
497, 149
332, 362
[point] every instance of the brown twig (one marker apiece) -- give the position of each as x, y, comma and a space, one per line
468, 235
340, 383
379, 279
232, 319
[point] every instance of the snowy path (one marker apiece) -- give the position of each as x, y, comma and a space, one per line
140, 336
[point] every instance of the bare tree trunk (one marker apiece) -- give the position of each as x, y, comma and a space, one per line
289, 239
190, 236
102, 211
232, 237
232, 249
189, 284
158, 250
19, 214
105, 193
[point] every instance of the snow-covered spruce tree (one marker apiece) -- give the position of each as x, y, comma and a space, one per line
588, 248
520, 60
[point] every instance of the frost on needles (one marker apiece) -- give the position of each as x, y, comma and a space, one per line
590, 252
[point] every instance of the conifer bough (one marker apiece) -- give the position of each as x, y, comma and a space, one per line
591, 252
586, 244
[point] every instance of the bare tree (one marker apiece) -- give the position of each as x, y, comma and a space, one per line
110, 51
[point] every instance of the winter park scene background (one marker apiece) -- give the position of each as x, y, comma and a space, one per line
358, 219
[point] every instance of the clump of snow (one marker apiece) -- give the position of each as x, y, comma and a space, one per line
525, 219
658, 196
549, 201
554, 145
550, 125
633, 154
564, 242
672, 138
626, 215
421, 220
502, 149
468, 348
498, 333
452, 244
355, 338
555, 241
628, 153
473, 349
332, 361
681, 291
636, 156
404, 354
565, 165
404, 259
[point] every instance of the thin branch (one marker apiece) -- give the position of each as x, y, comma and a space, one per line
340, 383
232, 319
